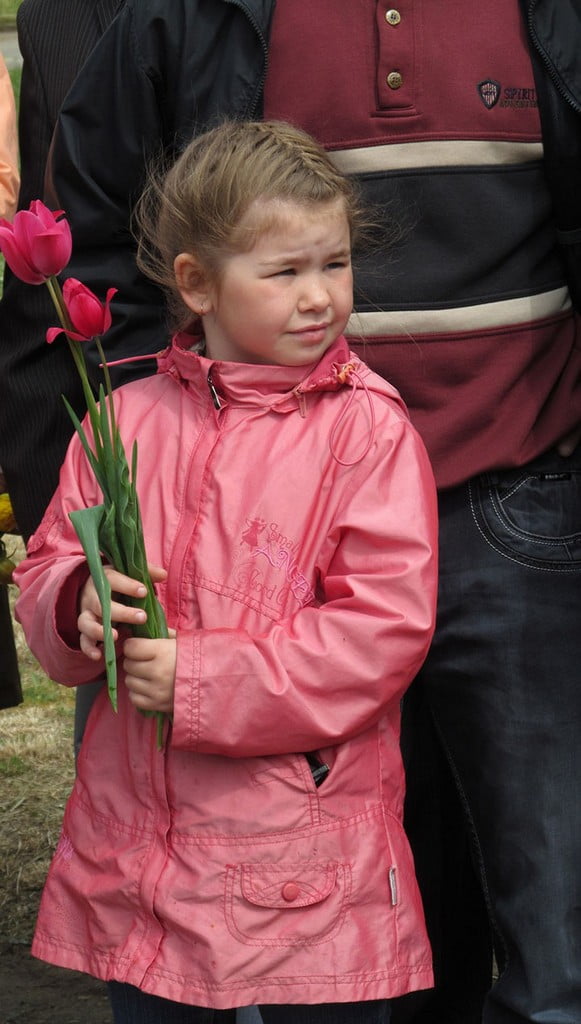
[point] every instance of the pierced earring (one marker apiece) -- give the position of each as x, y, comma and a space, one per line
202, 308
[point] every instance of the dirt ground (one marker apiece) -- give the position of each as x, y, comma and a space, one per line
32, 992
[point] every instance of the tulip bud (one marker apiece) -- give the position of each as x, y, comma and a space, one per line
36, 245
88, 315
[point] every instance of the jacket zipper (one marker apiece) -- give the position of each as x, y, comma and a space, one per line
215, 396
250, 16
568, 97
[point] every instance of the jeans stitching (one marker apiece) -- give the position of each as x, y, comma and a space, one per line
496, 502
564, 567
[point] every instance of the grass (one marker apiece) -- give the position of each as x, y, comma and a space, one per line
8, 9
36, 774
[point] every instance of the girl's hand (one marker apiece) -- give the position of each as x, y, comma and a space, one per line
150, 667
90, 621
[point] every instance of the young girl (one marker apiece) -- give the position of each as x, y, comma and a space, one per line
260, 857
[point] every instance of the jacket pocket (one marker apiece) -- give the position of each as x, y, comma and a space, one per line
286, 904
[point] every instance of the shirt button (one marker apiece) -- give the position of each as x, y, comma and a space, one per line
394, 80
392, 17
290, 892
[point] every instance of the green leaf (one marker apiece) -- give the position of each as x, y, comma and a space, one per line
134, 466
93, 459
87, 523
110, 469
108, 539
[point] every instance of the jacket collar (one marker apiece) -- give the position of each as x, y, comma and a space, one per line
254, 384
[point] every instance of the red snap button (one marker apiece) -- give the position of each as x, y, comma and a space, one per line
291, 891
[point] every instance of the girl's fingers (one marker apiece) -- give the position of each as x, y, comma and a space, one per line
120, 613
90, 649
125, 613
157, 573
90, 622
89, 626
121, 584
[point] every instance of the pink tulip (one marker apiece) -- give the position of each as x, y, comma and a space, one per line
36, 245
89, 317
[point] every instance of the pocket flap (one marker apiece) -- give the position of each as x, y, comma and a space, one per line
288, 885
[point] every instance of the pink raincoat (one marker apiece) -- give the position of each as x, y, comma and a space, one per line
297, 523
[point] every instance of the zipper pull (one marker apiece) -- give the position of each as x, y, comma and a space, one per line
214, 393
301, 401
319, 770
393, 886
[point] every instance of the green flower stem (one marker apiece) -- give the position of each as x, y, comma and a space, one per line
108, 388
113, 530
75, 350
113, 445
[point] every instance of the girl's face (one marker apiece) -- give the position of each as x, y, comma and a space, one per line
288, 298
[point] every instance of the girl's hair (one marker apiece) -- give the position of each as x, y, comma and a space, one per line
198, 206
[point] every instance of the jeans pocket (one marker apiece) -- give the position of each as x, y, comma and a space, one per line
532, 515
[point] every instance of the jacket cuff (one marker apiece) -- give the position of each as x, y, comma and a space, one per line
66, 610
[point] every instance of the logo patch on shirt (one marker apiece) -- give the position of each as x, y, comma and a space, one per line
489, 92
516, 97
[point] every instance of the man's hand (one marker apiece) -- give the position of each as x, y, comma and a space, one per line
569, 443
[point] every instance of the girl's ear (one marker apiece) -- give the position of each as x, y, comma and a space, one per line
192, 282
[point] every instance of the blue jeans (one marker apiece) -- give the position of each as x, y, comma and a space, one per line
130, 1006
503, 685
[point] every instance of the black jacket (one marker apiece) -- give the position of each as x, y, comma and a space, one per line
180, 67
55, 38
554, 28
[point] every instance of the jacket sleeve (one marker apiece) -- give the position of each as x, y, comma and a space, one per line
52, 574
96, 170
330, 671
